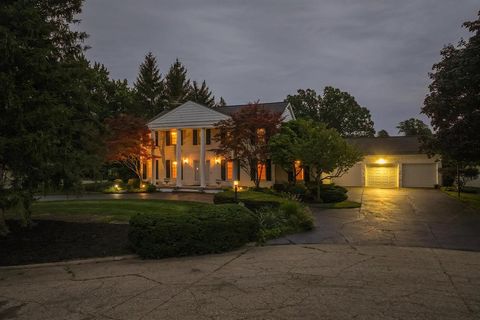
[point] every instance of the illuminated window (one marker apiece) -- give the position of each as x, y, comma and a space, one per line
174, 168
261, 135
262, 171
173, 137
229, 170
298, 170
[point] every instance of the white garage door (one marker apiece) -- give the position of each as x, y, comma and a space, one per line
353, 178
382, 176
419, 175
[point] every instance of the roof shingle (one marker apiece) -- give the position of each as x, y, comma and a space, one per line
387, 145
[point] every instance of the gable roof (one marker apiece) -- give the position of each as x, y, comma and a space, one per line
270, 106
387, 145
188, 115
192, 115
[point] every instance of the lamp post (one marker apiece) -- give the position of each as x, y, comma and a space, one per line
235, 185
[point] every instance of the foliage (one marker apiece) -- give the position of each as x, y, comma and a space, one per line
201, 94
458, 176
245, 135
470, 198
221, 103
453, 103
50, 124
128, 142
323, 150
177, 85
209, 229
289, 217
382, 134
149, 89
337, 109
333, 195
339, 205
253, 200
413, 127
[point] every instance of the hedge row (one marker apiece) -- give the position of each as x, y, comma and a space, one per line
211, 229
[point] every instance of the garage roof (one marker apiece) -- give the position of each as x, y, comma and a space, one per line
387, 145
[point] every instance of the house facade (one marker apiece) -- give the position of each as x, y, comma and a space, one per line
183, 144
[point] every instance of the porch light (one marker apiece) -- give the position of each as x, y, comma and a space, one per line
185, 160
381, 161
174, 163
217, 160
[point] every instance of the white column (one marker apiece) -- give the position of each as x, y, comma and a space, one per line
202, 158
153, 158
179, 157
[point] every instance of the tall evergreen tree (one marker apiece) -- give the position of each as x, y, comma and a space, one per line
221, 103
201, 94
149, 88
177, 85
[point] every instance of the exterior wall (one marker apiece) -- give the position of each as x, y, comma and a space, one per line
190, 154
356, 175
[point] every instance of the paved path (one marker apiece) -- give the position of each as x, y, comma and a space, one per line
400, 217
185, 196
273, 282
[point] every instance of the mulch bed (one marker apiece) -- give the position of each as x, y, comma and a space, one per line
52, 241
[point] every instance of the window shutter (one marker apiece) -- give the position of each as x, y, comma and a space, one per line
208, 136
168, 138
195, 137
156, 169
253, 172
306, 174
290, 176
156, 138
223, 170
182, 171
144, 169
168, 168
268, 167
181, 137
238, 169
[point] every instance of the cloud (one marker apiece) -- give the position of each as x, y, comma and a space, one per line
379, 51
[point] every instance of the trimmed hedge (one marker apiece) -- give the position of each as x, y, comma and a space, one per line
333, 195
207, 229
253, 200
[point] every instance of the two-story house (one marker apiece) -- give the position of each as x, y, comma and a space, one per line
183, 144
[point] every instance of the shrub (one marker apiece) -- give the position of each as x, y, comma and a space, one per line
333, 195
96, 186
150, 188
204, 229
253, 200
290, 217
133, 183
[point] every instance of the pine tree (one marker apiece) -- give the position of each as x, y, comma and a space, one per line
177, 85
221, 103
149, 88
202, 95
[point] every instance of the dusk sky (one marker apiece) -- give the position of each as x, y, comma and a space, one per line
379, 51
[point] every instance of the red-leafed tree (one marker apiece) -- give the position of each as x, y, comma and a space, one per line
128, 142
244, 138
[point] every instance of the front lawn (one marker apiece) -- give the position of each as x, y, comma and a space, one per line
106, 210
472, 199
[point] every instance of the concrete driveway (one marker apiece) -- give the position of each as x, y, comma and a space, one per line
272, 282
401, 217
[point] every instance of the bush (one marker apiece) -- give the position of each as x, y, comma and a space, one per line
333, 195
96, 186
253, 200
150, 188
133, 183
290, 217
205, 229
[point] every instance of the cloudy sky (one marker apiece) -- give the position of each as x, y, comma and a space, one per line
379, 51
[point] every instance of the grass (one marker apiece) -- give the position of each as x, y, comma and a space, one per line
471, 199
338, 205
106, 210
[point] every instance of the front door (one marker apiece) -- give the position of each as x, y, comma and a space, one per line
196, 169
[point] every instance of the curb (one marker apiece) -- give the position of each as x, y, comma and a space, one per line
70, 262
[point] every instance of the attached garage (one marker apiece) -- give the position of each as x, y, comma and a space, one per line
419, 175
391, 162
381, 176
